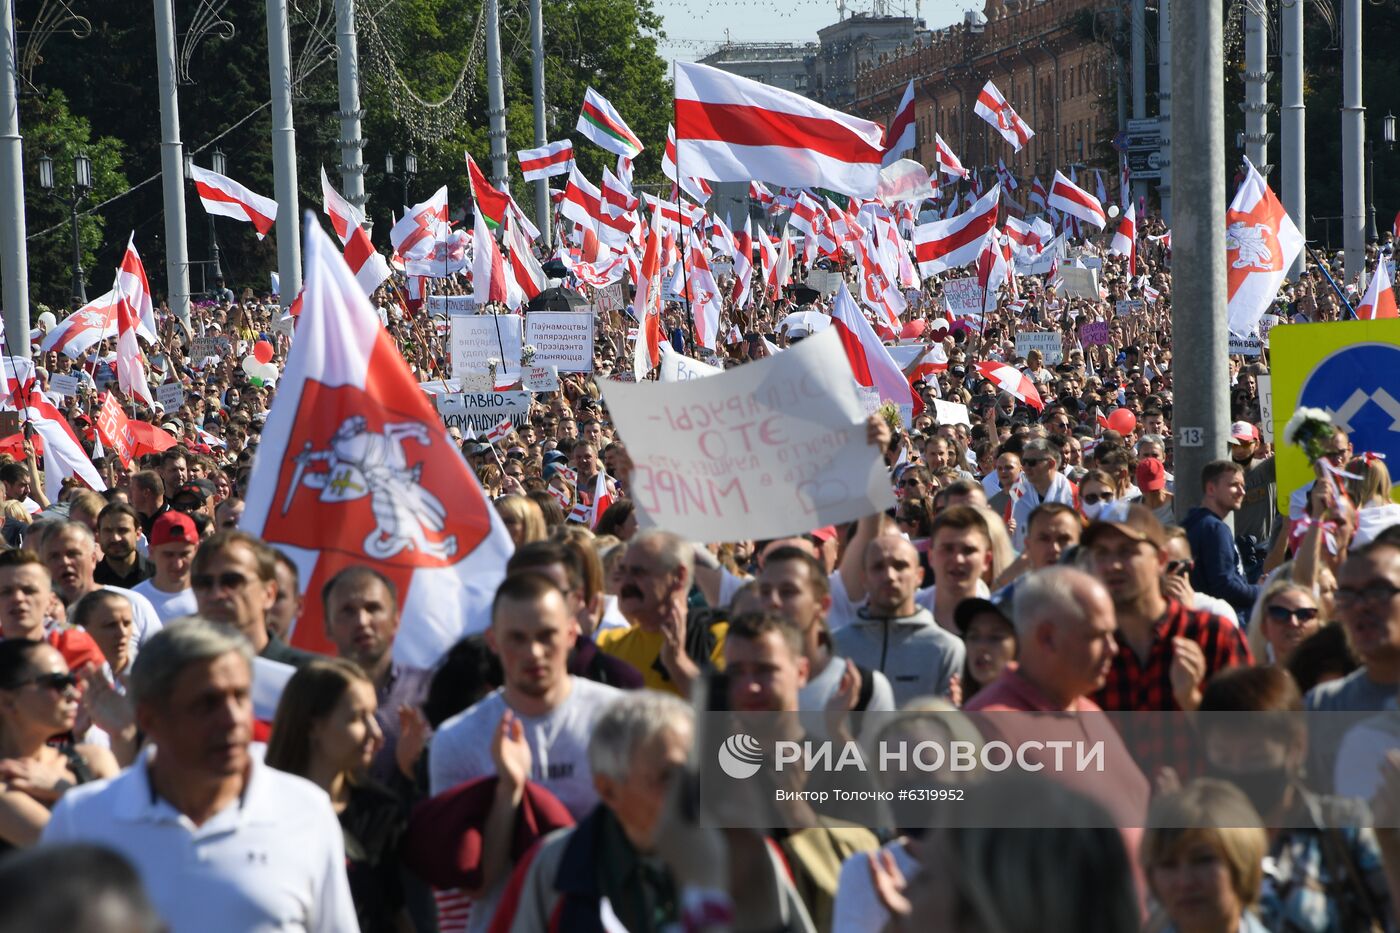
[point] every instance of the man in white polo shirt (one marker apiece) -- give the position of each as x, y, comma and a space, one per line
172, 544
221, 841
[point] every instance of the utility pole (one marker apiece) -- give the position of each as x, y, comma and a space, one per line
347, 68
541, 131
1293, 127
1202, 411
172, 168
1164, 105
284, 152
1138, 41
495, 94
1353, 143
14, 257
1256, 85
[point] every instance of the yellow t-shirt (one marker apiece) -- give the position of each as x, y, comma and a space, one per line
641, 649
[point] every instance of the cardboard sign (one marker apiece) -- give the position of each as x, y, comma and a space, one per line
64, 385
444, 305
1245, 346
541, 379
964, 296
1267, 323
561, 338
1047, 342
1127, 307
1080, 283
1265, 385
1093, 333
477, 338
676, 367
770, 449
482, 411
608, 298
950, 413
201, 348
824, 281
171, 396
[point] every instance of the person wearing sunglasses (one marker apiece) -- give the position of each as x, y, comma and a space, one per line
1286, 614
38, 702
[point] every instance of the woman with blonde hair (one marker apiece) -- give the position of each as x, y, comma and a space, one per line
523, 519
1285, 614
1003, 554
1203, 856
325, 731
1375, 511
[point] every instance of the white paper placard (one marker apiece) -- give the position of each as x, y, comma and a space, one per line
964, 296
171, 395
1049, 344
773, 448
481, 411
561, 338
676, 367
64, 385
477, 338
541, 379
950, 413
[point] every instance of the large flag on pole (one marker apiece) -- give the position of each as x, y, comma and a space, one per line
1125, 240
947, 244
871, 363
356, 468
490, 203
131, 281
996, 110
1069, 198
730, 128
600, 122
417, 231
548, 160
1379, 300
94, 321
1261, 242
227, 198
899, 135
344, 215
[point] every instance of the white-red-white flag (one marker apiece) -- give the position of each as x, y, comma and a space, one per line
529, 275
1379, 300
499, 431
1125, 239
646, 352
583, 204
703, 294
490, 283
948, 161
743, 265
1261, 242
355, 467
1038, 196
1011, 380
996, 110
730, 128
131, 282
899, 135
1069, 198
947, 244
345, 217
871, 363
368, 265
418, 231
94, 321
131, 370
550, 159
63, 454
227, 198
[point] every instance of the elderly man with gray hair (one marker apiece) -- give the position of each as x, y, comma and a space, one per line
638, 748
1065, 628
666, 641
221, 841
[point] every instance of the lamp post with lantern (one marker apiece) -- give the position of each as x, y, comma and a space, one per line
218, 164
82, 184
410, 168
1388, 136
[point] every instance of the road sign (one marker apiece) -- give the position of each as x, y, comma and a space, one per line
1146, 164
1351, 369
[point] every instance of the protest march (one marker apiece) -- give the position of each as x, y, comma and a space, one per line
813, 537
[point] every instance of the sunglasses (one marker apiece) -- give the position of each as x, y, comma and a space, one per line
1034, 461
1284, 614
55, 681
1094, 498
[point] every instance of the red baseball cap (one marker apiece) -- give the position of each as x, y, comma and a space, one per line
1151, 475
1243, 431
173, 527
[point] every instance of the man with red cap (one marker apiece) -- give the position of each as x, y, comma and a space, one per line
171, 544
1152, 482
1257, 517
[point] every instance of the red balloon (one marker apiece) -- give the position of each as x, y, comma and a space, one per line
262, 351
1122, 420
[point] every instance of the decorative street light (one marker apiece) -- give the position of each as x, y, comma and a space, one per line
410, 168
1388, 137
82, 184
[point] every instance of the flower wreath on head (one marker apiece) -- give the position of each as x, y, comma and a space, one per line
1310, 429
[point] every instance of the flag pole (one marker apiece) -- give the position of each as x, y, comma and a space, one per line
1331, 281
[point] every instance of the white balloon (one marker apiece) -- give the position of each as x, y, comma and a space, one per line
267, 372
1113, 210
250, 365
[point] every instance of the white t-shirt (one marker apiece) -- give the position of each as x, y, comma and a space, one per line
461, 751
168, 606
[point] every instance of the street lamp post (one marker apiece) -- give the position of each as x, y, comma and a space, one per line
1388, 136
219, 165
410, 168
82, 184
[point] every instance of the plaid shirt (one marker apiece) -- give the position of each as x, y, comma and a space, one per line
1141, 686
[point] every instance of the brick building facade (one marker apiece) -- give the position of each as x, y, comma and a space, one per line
1052, 59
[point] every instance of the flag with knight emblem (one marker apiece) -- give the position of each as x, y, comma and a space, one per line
356, 468
1261, 242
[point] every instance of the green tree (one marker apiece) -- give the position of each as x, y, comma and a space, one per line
51, 128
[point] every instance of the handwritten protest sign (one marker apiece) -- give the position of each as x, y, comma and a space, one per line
443, 305
1093, 333
478, 338
541, 379
482, 411
1047, 342
964, 296
561, 338
1080, 283
773, 448
1127, 306
64, 385
1245, 346
950, 413
676, 367
171, 395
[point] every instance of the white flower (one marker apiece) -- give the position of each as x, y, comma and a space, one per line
1301, 417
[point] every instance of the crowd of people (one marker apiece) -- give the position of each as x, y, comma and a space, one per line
169, 759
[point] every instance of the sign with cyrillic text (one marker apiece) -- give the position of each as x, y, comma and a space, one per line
1047, 342
563, 339
773, 448
479, 338
481, 411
